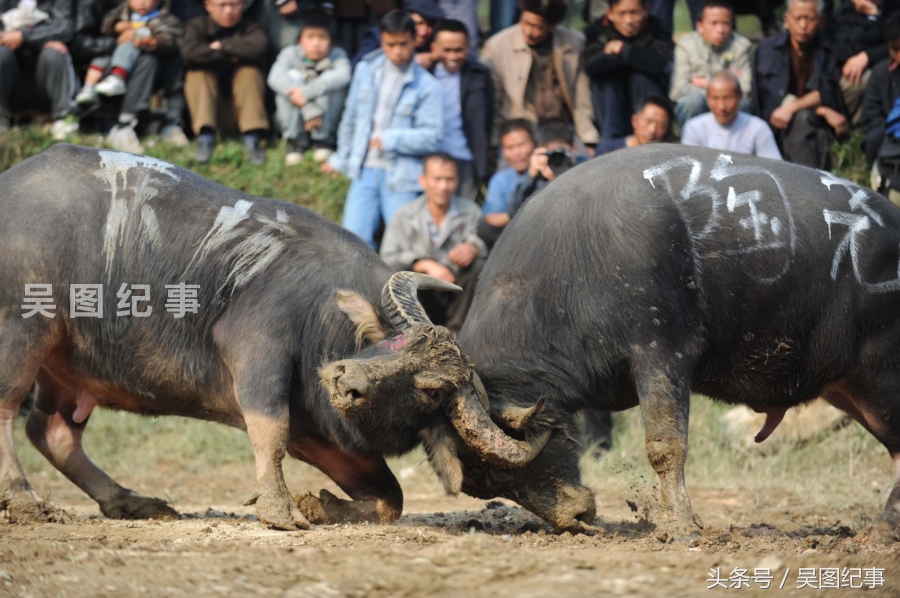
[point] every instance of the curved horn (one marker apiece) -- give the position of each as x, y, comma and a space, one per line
518, 418
480, 433
399, 301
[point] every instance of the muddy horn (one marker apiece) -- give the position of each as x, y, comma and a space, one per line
468, 414
399, 297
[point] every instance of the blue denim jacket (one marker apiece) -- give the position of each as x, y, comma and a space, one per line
416, 125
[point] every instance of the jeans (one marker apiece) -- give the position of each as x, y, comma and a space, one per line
616, 95
152, 72
125, 56
291, 119
369, 201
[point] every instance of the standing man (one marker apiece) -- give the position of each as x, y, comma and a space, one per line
224, 55
538, 73
393, 116
435, 235
468, 93
627, 57
726, 127
795, 87
713, 47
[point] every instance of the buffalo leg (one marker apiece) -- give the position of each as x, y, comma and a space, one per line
665, 407
23, 346
376, 494
872, 401
55, 427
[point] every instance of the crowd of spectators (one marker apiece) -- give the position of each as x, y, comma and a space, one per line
400, 96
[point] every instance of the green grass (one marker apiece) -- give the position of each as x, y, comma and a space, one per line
301, 184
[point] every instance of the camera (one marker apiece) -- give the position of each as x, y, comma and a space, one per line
560, 160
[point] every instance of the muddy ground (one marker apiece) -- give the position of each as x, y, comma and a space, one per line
441, 546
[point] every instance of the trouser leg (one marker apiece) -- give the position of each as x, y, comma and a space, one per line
327, 133
171, 76
56, 78
140, 83
467, 186
9, 72
853, 95
125, 56
806, 140
690, 105
391, 201
362, 209
664, 11
458, 304
248, 88
289, 119
201, 90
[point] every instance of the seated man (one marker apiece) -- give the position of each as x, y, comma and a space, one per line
393, 116
538, 73
517, 144
627, 57
554, 156
713, 47
435, 235
468, 99
795, 88
224, 54
310, 81
425, 14
880, 100
650, 123
726, 127
858, 46
34, 58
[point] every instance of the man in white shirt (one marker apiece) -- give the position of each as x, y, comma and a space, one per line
725, 127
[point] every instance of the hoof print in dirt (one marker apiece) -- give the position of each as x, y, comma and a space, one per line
139, 507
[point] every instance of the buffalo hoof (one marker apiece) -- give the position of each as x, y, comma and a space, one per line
329, 509
278, 510
24, 507
135, 506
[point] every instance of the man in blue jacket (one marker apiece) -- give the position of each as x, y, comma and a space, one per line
393, 116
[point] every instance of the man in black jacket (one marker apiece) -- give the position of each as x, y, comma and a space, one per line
795, 87
34, 57
468, 99
154, 70
627, 57
858, 46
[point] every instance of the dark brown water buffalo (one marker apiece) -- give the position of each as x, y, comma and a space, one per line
214, 305
650, 273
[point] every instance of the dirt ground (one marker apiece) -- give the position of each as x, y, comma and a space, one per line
441, 546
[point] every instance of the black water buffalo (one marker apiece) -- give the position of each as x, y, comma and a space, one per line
214, 305
653, 272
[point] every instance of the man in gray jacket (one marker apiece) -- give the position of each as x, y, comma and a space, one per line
436, 234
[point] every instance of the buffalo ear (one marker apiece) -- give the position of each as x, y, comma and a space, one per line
440, 446
363, 316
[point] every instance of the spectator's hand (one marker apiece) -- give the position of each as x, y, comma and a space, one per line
781, 117
463, 254
699, 82
866, 7
613, 47
327, 168
425, 59
436, 269
58, 46
375, 143
216, 45
854, 67
313, 123
121, 26
125, 37
12, 39
835, 119
288, 9
538, 165
296, 97
150, 44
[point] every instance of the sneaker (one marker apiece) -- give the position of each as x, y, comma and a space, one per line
122, 138
205, 146
111, 86
175, 135
63, 127
293, 158
321, 154
256, 153
87, 95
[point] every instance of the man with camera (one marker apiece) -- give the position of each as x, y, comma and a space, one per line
554, 156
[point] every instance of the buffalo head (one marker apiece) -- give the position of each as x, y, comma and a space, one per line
523, 453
